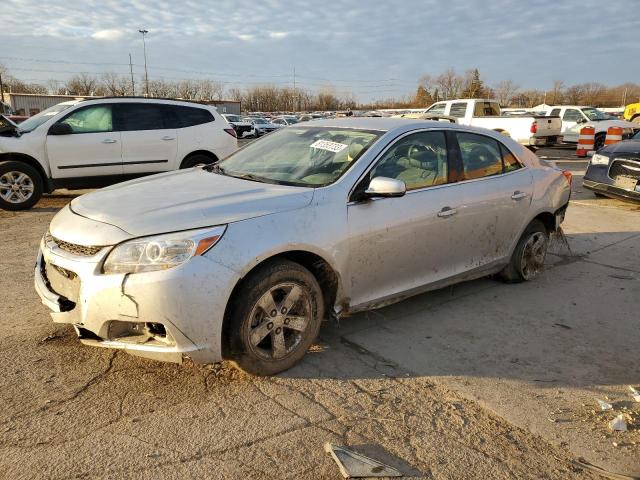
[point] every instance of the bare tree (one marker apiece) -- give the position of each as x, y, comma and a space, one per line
116, 85
504, 92
556, 92
449, 84
83, 84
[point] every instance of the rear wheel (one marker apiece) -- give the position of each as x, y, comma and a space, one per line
197, 159
527, 261
20, 186
274, 318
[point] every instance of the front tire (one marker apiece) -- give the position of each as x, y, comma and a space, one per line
527, 261
21, 186
274, 318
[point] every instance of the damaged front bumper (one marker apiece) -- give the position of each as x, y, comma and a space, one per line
163, 315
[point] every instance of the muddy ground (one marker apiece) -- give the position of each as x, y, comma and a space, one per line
482, 380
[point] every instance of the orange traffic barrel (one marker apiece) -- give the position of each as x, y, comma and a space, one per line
614, 135
586, 141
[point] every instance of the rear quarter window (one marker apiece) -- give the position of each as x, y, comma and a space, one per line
190, 116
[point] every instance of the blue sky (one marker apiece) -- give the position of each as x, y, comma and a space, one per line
373, 48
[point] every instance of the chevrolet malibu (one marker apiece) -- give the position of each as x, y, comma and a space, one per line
243, 259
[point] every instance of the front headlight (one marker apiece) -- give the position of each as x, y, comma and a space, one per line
598, 159
160, 252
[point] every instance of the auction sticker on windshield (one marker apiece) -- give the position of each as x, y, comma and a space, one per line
334, 147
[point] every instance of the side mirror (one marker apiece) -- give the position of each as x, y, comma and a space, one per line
60, 129
385, 187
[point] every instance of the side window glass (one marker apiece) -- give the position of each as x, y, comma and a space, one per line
437, 109
555, 112
419, 160
509, 160
93, 119
572, 115
458, 110
139, 116
480, 156
190, 116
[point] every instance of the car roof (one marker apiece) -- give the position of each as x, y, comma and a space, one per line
383, 124
170, 101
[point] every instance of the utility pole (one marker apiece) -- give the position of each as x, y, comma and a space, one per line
144, 46
133, 85
295, 92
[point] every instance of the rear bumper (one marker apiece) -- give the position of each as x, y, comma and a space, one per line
546, 141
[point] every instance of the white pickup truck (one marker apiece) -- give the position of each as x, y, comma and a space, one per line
575, 117
529, 130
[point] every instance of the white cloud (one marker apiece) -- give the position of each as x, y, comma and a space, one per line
245, 37
279, 34
108, 35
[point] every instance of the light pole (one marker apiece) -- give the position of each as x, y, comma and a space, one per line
144, 46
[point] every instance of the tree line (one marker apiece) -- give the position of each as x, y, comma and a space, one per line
430, 88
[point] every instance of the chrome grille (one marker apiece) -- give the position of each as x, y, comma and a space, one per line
80, 250
625, 168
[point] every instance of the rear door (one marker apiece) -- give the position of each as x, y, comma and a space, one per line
149, 137
93, 148
493, 196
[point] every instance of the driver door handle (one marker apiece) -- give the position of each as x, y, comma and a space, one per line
109, 140
167, 137
518, 195
447, 212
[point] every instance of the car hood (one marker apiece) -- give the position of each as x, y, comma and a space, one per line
186, 199
626, 147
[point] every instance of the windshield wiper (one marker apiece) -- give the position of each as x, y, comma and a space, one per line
252, 177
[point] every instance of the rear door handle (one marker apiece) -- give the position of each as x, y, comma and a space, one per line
109, 140
447, 212
518, 195
167, 137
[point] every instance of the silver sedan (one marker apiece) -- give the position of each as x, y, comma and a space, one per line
242, 260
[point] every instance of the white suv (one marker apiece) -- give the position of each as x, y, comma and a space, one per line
94, 143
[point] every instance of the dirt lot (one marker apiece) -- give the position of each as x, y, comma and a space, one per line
483, 380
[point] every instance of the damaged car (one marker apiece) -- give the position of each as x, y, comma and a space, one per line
242, 260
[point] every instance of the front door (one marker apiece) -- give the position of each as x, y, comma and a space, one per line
149, 138
571, 118
92, 149
398, 244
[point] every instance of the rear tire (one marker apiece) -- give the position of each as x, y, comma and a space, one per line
21, 186
528, 257
273, 318
197, 159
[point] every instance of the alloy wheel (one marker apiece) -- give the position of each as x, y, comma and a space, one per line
279, 320
533, 255
16, 187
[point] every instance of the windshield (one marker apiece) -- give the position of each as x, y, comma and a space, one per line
310, 157
291, 121
595, 114
259, 120
34, 122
